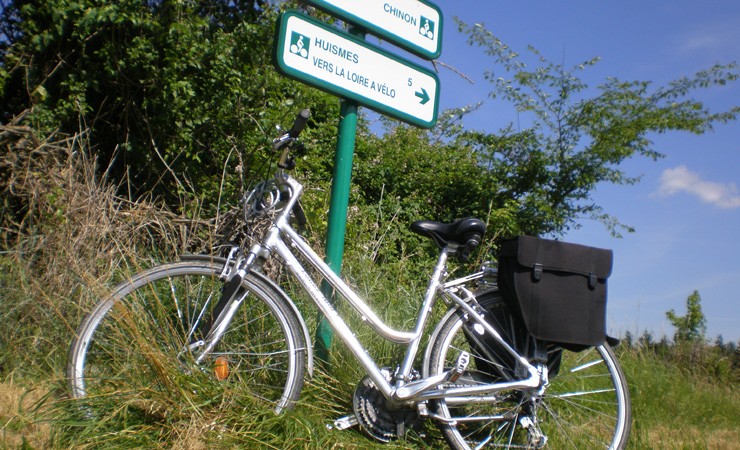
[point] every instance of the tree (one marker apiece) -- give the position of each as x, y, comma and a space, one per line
691, 327
571, 142
169, 93
537, 179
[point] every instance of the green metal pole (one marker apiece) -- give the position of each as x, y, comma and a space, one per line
338, 205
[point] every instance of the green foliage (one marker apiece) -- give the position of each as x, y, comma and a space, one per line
713, 363
407, 175
179, 100
691, 327
172, 93
573, 141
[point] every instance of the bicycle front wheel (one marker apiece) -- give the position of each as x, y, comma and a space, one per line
586, 404
139, 345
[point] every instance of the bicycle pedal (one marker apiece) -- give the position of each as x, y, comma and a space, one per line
461, 365
344, 422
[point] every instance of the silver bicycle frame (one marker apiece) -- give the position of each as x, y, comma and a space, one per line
284, 240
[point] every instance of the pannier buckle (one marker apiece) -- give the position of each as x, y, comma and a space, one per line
592, 281
537, 272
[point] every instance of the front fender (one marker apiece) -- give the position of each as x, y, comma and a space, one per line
307, 336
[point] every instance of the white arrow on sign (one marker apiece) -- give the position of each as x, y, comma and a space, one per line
415, 25
329, 59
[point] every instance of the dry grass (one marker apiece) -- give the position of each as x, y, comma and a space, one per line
19, 417
662, 437
66, 197
66, 236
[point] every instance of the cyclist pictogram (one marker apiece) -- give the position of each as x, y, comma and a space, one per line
299, 44
427, 28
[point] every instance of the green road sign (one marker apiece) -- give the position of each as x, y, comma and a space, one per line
412, 24
329, 59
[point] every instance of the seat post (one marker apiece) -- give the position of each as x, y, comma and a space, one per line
440, 270
444, 254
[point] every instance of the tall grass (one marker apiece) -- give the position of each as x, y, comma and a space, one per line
75, 237
677, 406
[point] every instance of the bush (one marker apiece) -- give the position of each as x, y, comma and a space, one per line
713, 362
72, 238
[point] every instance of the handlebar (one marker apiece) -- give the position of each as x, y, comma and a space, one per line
299, 123
285, 141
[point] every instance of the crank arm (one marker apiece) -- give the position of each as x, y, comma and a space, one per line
416, 388
344, 422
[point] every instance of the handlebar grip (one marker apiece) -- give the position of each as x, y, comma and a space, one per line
300, 123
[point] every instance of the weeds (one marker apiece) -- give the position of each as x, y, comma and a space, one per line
67, 236
717, 362
679, 407
74, 237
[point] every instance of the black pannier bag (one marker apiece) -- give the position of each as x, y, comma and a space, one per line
559, 289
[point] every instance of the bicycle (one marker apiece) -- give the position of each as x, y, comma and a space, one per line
483, 379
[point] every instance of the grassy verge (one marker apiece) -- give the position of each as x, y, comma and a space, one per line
679, 407
678, 401
672, 409
77, 238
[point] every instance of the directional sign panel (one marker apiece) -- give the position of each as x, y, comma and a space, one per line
327, 58
412, 24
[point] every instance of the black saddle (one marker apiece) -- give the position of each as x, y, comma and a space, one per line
460, 236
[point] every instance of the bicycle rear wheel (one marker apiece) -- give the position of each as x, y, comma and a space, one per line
586, 404
139, 345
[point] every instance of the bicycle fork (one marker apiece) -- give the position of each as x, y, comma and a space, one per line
215, 325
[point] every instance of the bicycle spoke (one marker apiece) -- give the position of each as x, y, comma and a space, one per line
583, 407
139, 344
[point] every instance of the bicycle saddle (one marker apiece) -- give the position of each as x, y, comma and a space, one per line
467, 232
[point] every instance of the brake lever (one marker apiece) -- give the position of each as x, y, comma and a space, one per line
279, 142
284, 141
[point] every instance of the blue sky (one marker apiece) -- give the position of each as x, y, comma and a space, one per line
686, 209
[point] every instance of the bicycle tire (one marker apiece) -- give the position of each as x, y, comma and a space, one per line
134, 345
586, 404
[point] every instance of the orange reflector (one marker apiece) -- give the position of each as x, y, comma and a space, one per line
221, 368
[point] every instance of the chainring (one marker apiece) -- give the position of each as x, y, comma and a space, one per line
376, 418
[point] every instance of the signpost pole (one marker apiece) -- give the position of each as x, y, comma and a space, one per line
322, 56
338, 205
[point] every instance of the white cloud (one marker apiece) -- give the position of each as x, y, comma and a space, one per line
716, 40
681, 179
701, 43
